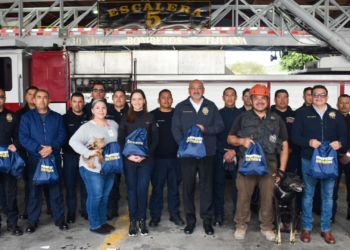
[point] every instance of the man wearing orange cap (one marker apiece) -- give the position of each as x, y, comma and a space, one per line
266, 127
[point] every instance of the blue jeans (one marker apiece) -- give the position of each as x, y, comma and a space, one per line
137, 181
98, 187
70, 176
327, 186
219, 187
165, 170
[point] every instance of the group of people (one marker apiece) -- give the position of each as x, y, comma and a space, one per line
287, 137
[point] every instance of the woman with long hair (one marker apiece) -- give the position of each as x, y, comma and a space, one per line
138, 169
88, 141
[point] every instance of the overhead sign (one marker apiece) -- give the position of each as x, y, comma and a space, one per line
154, 14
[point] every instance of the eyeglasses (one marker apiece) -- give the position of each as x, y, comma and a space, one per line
98, 90
319, 95
2, 97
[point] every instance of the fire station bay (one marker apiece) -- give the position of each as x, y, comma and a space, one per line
184, 124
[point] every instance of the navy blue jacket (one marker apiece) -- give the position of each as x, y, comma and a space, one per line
228, 115
33, 132
309, 125
208, 115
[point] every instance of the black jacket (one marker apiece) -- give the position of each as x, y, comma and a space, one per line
9, 128
115, 115
72, 122
309, 125
208, 115
228, 115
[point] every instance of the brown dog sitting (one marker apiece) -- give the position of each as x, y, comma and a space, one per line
98, 145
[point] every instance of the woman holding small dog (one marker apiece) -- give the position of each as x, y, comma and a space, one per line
138, 169
88, 141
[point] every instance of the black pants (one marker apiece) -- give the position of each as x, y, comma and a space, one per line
205, 167
9, 185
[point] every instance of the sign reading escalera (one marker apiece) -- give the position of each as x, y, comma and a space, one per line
154, 14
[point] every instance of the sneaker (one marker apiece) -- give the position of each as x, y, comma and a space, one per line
240, 234
177, 219
143, 227
133, 228
269, 235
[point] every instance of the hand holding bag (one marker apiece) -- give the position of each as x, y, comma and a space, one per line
46, 171
5, 162
136, 143
324, 162
192, 145
112, 159
254, 162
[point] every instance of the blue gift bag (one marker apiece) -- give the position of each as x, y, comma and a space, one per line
192, 145
136, 143
112, 159
324, 162
254, 162
5, 162
46, 171
17, 164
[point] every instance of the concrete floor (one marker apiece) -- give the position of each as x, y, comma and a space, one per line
167, 235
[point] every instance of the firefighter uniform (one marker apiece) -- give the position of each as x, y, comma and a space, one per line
8, 136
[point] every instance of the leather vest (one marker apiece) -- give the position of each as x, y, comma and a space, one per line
265, 131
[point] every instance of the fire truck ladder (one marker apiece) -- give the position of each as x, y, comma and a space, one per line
235, 25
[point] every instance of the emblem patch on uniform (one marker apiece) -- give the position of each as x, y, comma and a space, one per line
289, 119
273, 118
273, 138
205, 111
332, 115
9, 117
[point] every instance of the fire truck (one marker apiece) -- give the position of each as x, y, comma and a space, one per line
63, 73
154, 59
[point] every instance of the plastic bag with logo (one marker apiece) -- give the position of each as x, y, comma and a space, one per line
5, 163
46, 171
192, 145
136, 143
324, 162
112, 159
17, 164
254, 162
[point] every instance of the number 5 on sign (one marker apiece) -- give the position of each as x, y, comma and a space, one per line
153, 20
